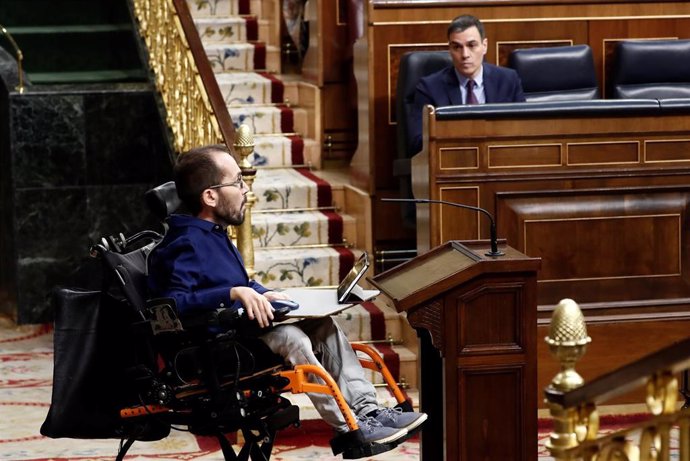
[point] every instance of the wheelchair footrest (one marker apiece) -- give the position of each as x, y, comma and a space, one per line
370, 449
353, 446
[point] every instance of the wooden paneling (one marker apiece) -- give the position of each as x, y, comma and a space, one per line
637, 253
667, 150
460, 158
602, 153
500, 439
459, 221
329, 55
393, 27
499, 312
328, 65
524, 155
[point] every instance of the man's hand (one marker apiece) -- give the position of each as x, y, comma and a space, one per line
257, 305
273, 295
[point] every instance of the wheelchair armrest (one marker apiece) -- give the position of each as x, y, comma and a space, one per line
234, 321
222, 319
163, 318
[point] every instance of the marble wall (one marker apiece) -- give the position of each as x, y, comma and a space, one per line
76, 162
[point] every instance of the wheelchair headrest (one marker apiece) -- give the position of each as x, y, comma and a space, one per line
547, 73
163, 200
652, 69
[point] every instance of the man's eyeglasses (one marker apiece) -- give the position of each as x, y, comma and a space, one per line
239, 183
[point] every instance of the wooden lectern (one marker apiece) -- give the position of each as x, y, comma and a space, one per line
476, 317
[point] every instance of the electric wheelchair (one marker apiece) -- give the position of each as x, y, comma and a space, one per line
131, 368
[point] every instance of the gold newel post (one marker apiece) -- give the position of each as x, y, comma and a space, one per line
244, 147
567, 342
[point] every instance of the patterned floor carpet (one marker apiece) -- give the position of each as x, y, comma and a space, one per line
26, 364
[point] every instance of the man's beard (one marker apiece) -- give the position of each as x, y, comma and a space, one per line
228, 216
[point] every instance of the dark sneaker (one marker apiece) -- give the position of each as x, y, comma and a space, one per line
397, 419
373, 431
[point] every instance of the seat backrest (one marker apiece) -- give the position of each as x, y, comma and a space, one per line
561, 73
655, 69
413, 66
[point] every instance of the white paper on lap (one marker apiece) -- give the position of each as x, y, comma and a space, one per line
320, 302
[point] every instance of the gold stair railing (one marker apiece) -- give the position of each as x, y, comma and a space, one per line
573, 404
20, 58
195, 108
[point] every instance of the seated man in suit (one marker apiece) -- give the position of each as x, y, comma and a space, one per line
468, 81
198, 266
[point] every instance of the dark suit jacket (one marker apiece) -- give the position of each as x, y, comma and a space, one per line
442, 88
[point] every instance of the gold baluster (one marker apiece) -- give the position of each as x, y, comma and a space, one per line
244, 147
189, 113
684, 439
661, 399
567, 342
662, 393
619, 449
20, 58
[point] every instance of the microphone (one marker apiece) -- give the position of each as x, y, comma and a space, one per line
492, 230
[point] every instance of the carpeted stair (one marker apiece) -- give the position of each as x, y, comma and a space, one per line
300, 238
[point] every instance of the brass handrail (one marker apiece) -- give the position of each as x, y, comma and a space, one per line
20, 58
572, 403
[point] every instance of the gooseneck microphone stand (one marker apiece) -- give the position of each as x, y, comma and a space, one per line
492, 231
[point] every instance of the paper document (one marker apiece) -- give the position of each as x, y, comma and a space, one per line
321, 302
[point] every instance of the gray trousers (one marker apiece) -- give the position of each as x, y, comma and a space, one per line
298, 342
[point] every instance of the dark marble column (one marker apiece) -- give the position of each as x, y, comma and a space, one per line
76, 164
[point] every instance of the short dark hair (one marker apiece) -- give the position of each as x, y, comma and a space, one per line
195, 171
464, 22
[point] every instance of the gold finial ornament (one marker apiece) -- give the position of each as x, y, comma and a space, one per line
567, 341
244, 147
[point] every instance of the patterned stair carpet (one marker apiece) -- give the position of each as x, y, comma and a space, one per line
294, 247
26, 366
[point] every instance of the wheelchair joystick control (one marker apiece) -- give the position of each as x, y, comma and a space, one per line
282, 307
279, 304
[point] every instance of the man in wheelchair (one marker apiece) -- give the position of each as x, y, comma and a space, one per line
197, 265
